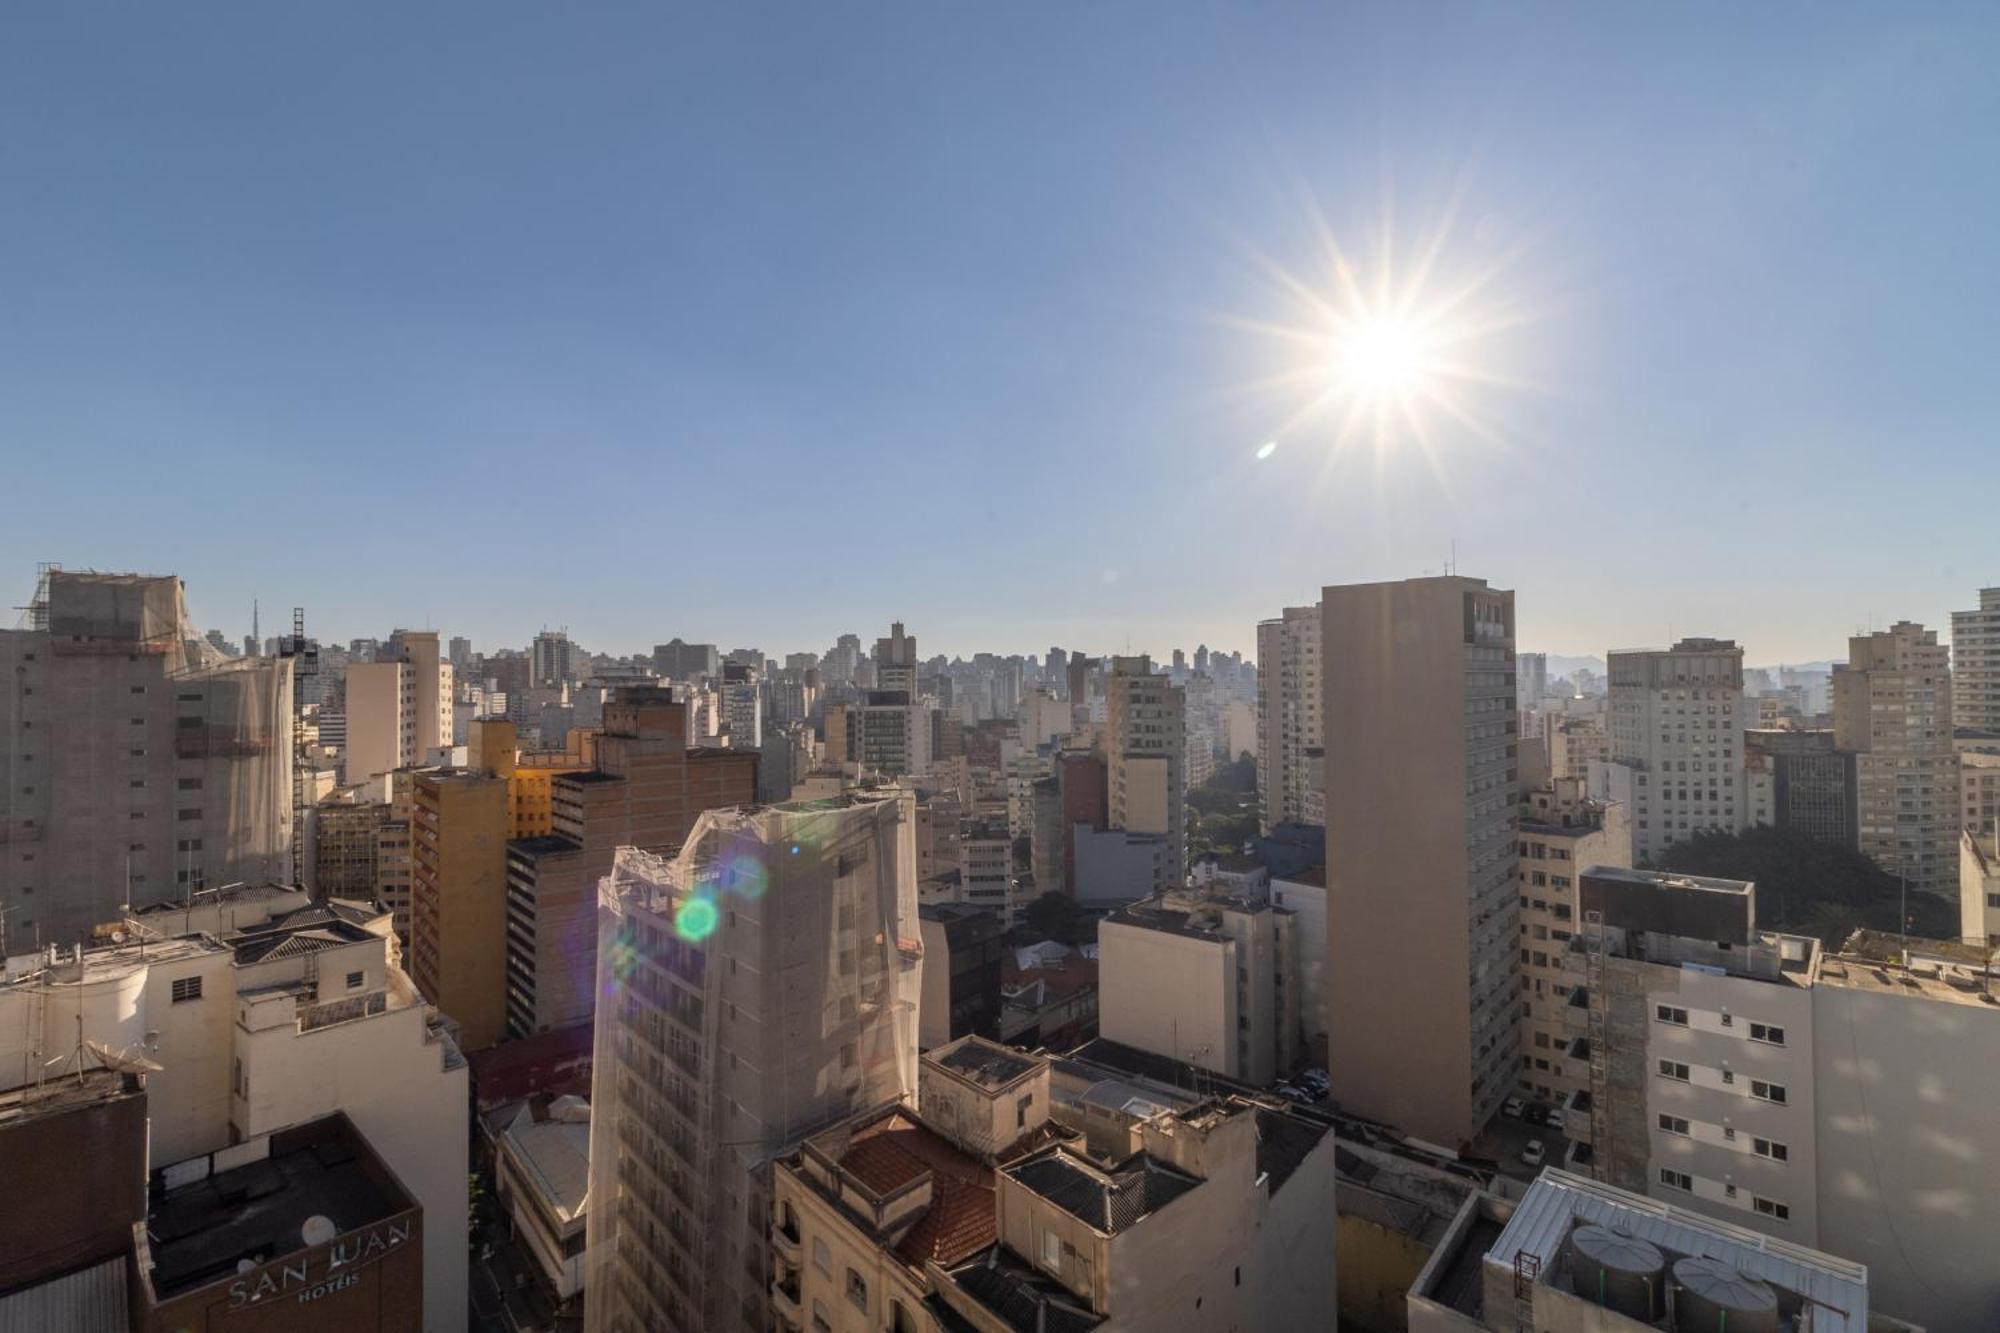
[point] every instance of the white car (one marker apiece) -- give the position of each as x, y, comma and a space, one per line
1554, 1119
1534, 1152
1513, 1107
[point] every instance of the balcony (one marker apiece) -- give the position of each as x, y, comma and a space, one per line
786, 1243
785, 1303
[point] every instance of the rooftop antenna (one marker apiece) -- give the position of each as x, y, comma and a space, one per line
256, 632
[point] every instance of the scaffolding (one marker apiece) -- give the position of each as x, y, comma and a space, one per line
756, 988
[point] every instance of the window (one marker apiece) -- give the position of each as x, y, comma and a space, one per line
857, 1290
1673, 1124
1678, 1180
1777, 1152
354, 980
1767, 1032
1770, 1092
1021, 1111
1052, 1251
186, 988
1673, 1069
1769, 1208
1667, 1013
822, 1257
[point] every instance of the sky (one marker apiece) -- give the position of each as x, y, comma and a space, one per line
759, 324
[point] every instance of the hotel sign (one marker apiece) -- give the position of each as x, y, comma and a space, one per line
315, 1276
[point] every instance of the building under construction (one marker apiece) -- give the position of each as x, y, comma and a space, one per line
141, 764
758, 987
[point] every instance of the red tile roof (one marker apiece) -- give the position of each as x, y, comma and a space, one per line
897, 1150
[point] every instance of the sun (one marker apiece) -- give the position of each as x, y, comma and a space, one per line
1382, 355
1405, 353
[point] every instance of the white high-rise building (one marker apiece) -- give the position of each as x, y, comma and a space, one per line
1145, 750
1288, 714
1677, 736
398, 706
758, 987
1975, 664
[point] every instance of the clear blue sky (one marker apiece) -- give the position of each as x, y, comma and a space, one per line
760, 324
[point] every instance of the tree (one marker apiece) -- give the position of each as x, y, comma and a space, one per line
1810, 887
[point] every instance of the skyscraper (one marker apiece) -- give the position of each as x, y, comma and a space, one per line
1892, 710
1422, 902
398, 706
1145, 751
140, 764
1288, 712
1677, 741
759, 986
552, 659
1975, 664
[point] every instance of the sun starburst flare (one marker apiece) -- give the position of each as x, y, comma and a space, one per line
1398, 362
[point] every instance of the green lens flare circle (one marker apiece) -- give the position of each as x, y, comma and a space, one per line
696, 919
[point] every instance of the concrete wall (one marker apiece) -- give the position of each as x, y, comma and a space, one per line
1170, 994
1908, 1156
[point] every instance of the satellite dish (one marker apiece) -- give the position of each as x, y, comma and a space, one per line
245, 1265
119, 937
318, 1229
122, 1061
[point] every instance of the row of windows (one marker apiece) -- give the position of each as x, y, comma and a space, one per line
1770, 1033
1760, 1089
1681, 1180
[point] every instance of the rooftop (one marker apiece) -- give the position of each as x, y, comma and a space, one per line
988, 1064
1109, 1200
555, 1153
1016, 1295
66, 1093
1916, 969
199, 1231
1668, 879
898, 1150
1558, 1201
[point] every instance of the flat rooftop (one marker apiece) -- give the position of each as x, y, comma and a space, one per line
1558, 1202
985, 1063
1943, 970
1668, 879
200, 1232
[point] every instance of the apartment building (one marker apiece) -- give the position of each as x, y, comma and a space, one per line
1892, 711
1024, 1193
277, 1023
1421, 852
458, 899
1676, 735
1145, 755
346, 835
1698, 1029
1975, 660
760, 986
140, 763
399, 706
646, 790
1289, 699
1979, 790
963, 950
1563, 831
1906, 1049
1213, 980
1801, 781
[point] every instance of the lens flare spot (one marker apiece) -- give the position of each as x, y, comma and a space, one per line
696, 919
1266, 449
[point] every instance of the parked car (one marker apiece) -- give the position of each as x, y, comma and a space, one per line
1295, 1093
1534, 1152
1513, 1107
1554, 1119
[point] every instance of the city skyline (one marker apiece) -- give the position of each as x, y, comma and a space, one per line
711, 325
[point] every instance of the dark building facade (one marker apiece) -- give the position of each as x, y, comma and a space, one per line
1812, 783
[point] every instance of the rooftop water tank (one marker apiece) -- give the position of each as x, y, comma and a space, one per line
1619, 1271
1714, 1297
